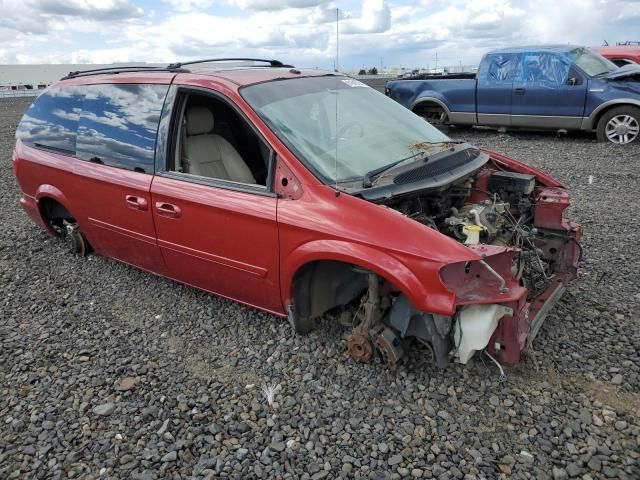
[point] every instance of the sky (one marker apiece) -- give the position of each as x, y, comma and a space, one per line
391, 33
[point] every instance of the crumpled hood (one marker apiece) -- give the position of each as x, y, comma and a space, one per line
626, 71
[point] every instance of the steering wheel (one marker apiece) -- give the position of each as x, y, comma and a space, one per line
349, 126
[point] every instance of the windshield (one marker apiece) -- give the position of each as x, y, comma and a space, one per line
591, 63
329, 117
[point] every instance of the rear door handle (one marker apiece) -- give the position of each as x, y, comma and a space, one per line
136, 203
519, 91
168, 210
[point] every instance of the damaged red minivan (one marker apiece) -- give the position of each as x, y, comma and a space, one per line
301, 192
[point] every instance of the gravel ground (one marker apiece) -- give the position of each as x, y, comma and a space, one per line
109, 372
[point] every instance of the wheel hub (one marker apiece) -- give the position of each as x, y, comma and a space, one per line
622, 129
359, 347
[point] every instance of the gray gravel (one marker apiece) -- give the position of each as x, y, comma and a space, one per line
109, 372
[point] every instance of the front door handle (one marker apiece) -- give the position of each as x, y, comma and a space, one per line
519, 91
168, 210
136, 203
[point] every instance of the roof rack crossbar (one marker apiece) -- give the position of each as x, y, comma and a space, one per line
272, 63
115, 70
173, 67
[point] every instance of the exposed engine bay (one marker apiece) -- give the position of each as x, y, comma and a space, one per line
494, 208
528, 252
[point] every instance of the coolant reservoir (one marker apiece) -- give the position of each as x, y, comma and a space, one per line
472, 232
474, 326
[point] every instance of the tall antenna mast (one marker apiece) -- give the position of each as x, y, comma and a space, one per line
336, 94
337, 37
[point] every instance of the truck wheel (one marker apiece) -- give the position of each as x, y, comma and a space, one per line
620, 125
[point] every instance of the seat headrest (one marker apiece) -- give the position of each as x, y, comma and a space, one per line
199, 120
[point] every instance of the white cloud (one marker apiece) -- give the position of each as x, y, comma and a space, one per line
375, 18
302, 32
188, 5
276, 4
101, 10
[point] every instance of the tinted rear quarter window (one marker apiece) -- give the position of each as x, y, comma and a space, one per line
52, 120
118, 125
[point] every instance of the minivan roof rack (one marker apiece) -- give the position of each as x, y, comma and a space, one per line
173, 67
131, 69
272, 63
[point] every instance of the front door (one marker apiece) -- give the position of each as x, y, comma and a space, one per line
213, 208
548, 92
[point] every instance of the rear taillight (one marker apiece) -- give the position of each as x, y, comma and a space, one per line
14, 159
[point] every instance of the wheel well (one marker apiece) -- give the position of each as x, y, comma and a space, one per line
53, 212
601, 113
322, 285
427, 108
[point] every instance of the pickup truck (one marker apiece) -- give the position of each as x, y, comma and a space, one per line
547, 87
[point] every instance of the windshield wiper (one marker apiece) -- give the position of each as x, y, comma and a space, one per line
369, 176
367, 180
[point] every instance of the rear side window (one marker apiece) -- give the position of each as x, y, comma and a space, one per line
499, 68
119, 123
52, 120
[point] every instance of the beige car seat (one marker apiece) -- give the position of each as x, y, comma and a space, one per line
210, 155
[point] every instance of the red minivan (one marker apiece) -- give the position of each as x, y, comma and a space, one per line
301, 193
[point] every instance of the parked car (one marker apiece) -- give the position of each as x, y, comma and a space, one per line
301, 192
621, 55
558, 87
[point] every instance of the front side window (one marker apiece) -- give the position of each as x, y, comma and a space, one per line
52, 120
545, 68
118, 125
215, 142
340, 128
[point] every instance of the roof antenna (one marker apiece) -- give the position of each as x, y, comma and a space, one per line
336, 94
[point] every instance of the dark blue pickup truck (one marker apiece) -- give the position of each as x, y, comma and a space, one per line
550, 87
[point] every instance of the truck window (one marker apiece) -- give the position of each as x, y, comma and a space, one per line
498, 68
545, 68
52, 120
119, 123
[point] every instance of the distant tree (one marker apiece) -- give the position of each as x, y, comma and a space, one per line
373, 71
362, 72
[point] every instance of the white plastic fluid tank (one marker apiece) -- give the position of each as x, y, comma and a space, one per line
474, 326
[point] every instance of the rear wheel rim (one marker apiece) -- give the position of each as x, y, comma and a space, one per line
622, 129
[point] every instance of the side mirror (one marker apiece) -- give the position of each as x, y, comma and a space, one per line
574, 81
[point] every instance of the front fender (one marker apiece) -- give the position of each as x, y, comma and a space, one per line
423, 288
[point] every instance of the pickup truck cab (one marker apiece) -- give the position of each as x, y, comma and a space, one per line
550, 87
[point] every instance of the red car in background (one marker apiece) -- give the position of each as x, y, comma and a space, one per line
301, 192
621, 55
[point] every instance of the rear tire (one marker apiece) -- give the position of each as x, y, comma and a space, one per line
620, 125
